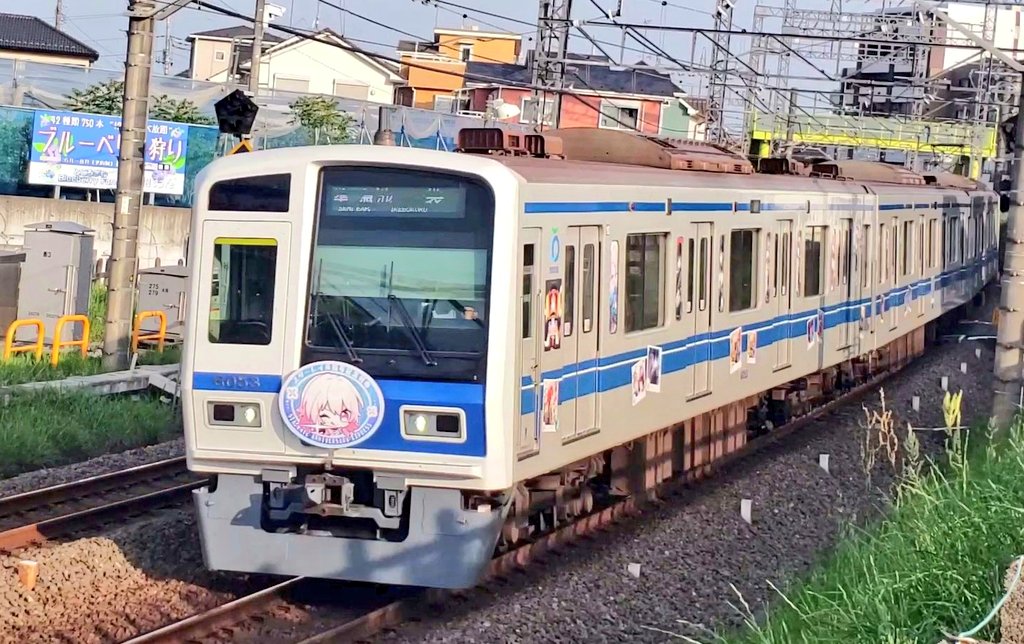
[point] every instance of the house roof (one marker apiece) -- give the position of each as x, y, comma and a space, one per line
583, 77
231, 33
31, 34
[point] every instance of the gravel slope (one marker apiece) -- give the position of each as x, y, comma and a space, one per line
696, 555
92, 467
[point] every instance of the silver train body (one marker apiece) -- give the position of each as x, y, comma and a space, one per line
385, 344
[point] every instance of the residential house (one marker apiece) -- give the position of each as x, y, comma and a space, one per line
217, 55
32, 39
636, 98
322, 64
434, 70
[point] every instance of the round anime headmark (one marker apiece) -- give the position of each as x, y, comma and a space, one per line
331, 404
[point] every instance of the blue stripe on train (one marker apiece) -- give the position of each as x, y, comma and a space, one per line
612, 372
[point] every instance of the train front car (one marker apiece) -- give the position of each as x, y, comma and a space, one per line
344, 378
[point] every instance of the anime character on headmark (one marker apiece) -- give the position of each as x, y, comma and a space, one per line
330, 405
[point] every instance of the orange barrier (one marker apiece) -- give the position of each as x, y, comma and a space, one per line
37, 348
58, 344
158, 337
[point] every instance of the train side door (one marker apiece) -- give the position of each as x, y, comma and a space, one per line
700, 270
847, 287
783, 290
579, 385
892, 260
530, 335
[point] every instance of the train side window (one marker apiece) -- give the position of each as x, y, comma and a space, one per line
894, 242
679, 279
775, 268
527, 302
269, 193
865, 257
908, 247
691, 258
242, 292
814, 241
846, 253
742, 269
786, 252
644, 281
588, 287
930, 243
569, 313
702, 275
883, 249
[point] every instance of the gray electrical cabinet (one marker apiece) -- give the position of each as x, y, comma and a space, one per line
10, 276
56, 276
162, 288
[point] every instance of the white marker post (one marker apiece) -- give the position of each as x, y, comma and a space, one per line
823, 462
745, 507
915, 403
945, 383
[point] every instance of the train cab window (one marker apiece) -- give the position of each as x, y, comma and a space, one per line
814, 241
644, 281
527, 291
742, 269
569, 308
269, 193
242, 292
588, 287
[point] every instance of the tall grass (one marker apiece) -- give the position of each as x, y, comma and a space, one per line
46, 428
933, 566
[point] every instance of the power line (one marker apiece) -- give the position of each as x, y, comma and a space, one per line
359, 50
801, 36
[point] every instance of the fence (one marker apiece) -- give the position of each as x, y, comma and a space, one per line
27, 86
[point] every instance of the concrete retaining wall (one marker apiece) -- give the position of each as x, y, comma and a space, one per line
162, 233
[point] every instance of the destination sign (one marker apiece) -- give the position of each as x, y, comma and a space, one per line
395, 201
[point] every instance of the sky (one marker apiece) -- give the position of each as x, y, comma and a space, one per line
101, 23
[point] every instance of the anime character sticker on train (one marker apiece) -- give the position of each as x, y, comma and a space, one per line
331, 404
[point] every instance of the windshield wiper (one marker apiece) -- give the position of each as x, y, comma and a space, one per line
339, 334
410, 324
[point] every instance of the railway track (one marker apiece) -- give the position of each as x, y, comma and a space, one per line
354, 616
70, 508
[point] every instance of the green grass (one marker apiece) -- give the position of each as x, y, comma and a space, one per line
97, 311
46, 429
934, 565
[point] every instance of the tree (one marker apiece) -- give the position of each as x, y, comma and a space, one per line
100, 98
165, 108
321, 118
107, 98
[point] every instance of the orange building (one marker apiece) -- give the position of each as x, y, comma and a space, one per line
434, 70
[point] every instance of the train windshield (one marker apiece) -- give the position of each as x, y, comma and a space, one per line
400, 273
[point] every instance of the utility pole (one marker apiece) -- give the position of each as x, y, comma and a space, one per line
257, 45
1008, 368
58, 18
167, 48
549, 59
124, 251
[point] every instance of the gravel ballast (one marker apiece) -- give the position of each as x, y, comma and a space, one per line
694, 552
93, 467
696, 555
110, 588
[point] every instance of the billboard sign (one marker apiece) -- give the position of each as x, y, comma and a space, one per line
79, 150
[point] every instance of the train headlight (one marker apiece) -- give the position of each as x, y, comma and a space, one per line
440, 424
420, 423
233, 414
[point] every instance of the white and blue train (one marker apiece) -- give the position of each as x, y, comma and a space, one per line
398, 359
